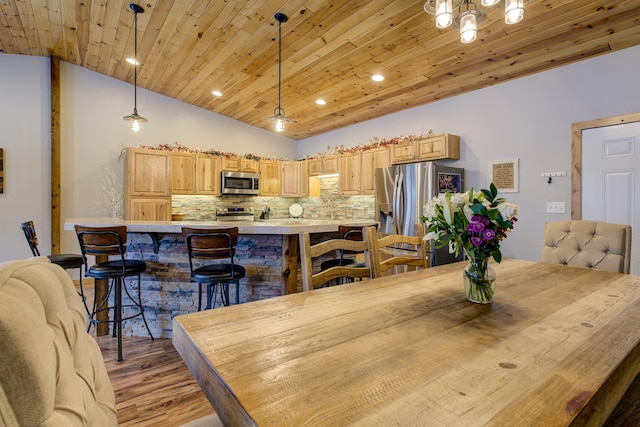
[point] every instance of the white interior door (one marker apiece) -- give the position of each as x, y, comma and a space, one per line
611, 179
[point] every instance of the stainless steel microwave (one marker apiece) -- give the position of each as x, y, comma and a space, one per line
240, 183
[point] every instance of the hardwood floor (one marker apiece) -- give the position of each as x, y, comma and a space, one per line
153, 386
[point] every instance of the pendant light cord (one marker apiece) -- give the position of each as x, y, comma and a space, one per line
279, 62
135, 66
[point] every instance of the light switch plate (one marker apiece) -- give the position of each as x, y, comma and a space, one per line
556, 207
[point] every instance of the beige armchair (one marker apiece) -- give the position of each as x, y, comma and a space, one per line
51, 371
591, 244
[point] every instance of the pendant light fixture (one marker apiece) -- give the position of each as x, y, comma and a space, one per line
469, 15
135, 118
279, 117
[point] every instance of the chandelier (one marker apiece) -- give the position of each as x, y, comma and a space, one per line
279, 117
135, 118
468, 15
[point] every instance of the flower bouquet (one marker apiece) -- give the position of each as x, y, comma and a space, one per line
475, 221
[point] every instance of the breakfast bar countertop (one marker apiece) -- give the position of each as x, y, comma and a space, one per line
283, 226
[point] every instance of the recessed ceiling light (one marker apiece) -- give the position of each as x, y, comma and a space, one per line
132, 61
216, 92
377, 77
321, 101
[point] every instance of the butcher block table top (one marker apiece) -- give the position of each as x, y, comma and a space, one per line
557, 346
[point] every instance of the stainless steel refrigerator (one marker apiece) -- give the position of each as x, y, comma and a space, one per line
403, 190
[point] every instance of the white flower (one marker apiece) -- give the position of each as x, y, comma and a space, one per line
429, 210
507, 210
447, 210
460, 199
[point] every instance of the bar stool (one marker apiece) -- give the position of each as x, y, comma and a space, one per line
66, 261
214, 244
105, 242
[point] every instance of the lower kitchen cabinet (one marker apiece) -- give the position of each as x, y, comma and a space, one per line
148, 209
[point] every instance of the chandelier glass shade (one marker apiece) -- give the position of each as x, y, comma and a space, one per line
279, 118
135, 118
465, 15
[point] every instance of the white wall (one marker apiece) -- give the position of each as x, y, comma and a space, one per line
528, 119
24, 121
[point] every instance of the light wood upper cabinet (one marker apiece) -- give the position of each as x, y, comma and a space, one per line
304, 178
349, 168
208, 170
183, 173
291, 180
147, 172
438, 147
270, 177
240, 164
371, 160
323, 165
295, 178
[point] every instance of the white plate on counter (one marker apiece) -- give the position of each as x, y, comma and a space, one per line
295, 210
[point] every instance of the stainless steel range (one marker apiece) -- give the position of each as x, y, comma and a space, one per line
235, 214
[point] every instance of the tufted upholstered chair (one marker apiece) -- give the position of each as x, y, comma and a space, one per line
51, 371
591, 244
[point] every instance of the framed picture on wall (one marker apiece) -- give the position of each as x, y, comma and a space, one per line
504, 175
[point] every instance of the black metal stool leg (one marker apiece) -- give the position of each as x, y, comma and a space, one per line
237, 292
117, 315
199, 296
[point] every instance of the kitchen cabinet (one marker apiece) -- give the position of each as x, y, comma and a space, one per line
270, 178
295, 178
437, 147
147, 172
240, 164
147, 184
371, 160
149, 209
183, 173
208, 170
323, 165
349, 168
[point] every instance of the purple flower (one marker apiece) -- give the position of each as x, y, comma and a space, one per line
475, 227
476, 241
488, 235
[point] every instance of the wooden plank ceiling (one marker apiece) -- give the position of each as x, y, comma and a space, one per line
330, 49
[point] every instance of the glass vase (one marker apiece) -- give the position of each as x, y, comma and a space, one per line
479, 279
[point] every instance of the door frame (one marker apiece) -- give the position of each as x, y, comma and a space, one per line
576, 154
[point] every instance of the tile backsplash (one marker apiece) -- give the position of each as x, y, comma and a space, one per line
329, 205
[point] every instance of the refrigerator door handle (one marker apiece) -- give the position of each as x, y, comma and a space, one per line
396, 203
400, 218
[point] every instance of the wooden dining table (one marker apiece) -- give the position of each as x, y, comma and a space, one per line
557, 346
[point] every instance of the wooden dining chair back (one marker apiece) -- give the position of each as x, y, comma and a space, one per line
591, 244
396, 250
312, 280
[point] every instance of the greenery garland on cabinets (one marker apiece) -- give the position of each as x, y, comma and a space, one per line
374, 142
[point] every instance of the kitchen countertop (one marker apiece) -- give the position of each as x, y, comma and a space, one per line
284, 226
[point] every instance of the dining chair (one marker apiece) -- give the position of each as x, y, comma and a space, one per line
308, 253
591, 244
348, 232
208, 245
66, 261
110, 242
396, 250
